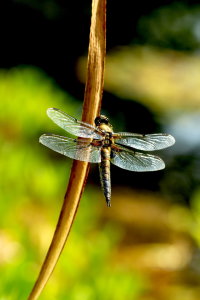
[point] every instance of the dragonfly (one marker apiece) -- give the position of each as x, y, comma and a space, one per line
99, 144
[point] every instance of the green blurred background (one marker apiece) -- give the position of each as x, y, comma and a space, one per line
146, 247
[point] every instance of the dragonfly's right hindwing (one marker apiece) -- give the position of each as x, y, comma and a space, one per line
136, 161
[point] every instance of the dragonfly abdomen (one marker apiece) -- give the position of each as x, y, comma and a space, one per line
105, 174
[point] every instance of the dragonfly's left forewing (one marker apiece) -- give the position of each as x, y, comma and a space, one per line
146, 142
75, 149
136, 161
72, 125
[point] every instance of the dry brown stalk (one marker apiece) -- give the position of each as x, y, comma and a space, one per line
79, 171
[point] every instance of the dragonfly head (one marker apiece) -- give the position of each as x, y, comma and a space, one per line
102, 120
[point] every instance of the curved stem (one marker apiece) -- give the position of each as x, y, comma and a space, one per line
79, 171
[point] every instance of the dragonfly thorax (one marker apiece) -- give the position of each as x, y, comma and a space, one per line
108, 139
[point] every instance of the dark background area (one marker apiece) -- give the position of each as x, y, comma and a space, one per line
53, 34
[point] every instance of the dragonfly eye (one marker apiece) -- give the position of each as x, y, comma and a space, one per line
101, 120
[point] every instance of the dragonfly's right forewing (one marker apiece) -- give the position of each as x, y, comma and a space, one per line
75, 149
145, 142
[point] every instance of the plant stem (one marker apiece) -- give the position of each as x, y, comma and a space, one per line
79, 171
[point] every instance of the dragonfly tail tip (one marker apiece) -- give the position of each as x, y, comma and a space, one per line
108, 202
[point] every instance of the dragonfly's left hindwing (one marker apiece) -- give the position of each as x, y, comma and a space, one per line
76, 149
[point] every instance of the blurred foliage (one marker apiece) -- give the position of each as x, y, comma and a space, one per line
153, 76
33, 181
174, 26
120, 253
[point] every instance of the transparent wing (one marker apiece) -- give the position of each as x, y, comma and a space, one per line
147, 142
72, 125
76, 149
136, 161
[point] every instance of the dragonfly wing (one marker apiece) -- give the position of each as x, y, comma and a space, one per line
72, 125
75, 149
146, 142
136, 161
